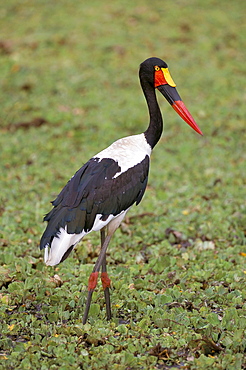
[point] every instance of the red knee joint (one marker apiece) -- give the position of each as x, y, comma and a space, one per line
105, 280
93, 280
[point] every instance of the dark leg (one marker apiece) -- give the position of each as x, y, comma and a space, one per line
105, 279
87, 307
94, 275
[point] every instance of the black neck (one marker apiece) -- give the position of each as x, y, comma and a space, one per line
155, 128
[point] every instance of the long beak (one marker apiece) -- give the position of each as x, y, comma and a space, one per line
172, 96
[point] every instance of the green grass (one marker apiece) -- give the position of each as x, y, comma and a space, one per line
69, 87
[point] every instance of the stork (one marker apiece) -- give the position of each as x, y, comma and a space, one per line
103, 190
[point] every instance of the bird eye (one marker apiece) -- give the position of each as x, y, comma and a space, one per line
157, 68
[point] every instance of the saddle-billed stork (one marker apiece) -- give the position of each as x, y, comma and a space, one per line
101, 192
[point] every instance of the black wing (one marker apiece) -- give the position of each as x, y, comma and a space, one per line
94, 190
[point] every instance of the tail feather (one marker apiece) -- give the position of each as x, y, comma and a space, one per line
60, 247
57, 220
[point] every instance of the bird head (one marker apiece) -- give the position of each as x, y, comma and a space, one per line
156, 73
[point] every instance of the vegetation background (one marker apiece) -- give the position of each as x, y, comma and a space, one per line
69, 87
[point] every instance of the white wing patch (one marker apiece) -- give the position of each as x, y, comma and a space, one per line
127, 152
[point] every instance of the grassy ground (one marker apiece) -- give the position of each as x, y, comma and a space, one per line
69, 87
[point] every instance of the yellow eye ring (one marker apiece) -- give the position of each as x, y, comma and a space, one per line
157, 68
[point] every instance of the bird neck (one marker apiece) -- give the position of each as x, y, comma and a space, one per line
155, 128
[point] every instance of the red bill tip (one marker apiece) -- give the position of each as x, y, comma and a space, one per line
183, 112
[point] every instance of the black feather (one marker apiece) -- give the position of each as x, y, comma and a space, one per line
94, 190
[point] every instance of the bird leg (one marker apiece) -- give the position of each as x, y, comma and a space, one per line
94, 275
105, 279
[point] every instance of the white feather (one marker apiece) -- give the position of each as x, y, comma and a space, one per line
63, 241
60, 244
122, 149
121, 152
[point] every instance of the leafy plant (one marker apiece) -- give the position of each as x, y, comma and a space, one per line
69, 88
